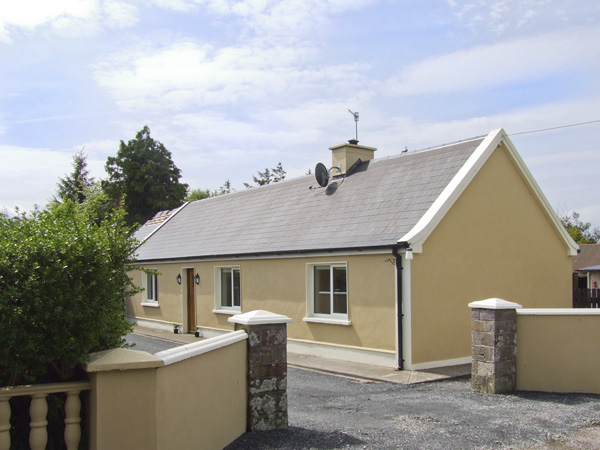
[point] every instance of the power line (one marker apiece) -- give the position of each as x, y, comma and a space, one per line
555, 128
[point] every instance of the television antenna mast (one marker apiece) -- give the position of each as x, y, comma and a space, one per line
355, 114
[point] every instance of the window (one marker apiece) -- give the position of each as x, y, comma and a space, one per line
327, 293
150, 285
227, 290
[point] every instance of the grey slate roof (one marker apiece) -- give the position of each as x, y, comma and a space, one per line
373, 207
153, 224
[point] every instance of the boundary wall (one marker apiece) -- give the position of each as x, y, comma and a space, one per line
193, 396
549, 350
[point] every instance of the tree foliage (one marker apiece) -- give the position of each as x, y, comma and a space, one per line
144, 173
581, 232
201, 194
269, 176
73, 187
63, 277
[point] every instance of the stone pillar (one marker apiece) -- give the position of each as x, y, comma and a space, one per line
267, 368
494, 346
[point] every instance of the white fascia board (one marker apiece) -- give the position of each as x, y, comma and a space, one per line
432, 217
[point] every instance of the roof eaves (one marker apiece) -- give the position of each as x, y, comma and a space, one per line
374, 248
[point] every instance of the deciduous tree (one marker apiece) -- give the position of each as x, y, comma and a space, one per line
581, 232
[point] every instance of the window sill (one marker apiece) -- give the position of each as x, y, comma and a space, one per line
231, 312
328, 321
150, 304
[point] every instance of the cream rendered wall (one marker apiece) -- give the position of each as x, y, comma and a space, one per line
169, 295
279, 285
217, 382
495, 241
558, 353
131, 393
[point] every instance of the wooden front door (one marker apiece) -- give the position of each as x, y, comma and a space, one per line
191, 305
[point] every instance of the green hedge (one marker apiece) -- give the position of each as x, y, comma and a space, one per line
63, 278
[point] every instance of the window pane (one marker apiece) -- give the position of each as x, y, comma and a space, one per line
236, 287
322, 304
321, 279
150, 286
340, 299
226, 285
339, 279
322, 294
340, 304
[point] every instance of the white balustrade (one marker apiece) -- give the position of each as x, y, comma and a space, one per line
38, 436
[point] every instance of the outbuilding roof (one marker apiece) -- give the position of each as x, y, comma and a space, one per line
589, 255
383, 203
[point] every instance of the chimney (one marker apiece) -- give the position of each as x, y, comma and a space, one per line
348, 154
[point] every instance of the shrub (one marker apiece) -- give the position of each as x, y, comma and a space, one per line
63, 277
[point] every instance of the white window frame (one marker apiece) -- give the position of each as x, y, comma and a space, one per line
150, 285
219, 308
332, 318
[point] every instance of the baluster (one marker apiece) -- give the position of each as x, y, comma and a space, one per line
72, 420
4, 424
38, 436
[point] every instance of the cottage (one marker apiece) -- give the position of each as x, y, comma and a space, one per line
377, 266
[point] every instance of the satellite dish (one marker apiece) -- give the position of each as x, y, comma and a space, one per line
322, 175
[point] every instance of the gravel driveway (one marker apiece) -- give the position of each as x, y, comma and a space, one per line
331, 412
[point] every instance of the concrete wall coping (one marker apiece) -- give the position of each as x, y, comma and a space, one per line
558, 312
494, 303
259, 317
187, 351
121, 359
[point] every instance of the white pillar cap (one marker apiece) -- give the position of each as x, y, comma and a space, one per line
494, 303
259, 317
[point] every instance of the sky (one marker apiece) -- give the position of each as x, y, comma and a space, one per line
233, 87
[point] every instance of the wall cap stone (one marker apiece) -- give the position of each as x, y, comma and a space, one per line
559, 312
259, 317
121, 359
494, 303
187, 351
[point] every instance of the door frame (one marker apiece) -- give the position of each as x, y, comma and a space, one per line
187, 285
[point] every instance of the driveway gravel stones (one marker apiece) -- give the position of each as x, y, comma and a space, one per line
332, 412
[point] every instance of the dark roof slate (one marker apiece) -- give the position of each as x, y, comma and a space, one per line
373, 207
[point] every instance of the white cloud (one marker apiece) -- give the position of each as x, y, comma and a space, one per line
489, 66
507, 17
187, 74
65, 17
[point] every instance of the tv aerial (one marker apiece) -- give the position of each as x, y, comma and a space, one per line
355, 114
